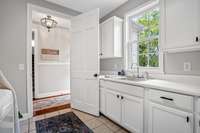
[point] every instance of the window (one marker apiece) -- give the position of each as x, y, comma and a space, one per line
142, 40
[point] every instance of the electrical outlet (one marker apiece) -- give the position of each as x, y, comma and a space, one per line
187, 66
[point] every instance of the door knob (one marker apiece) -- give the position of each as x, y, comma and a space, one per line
197, 39
188, 119
95, 75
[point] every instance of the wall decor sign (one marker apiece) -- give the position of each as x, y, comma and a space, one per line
50, 54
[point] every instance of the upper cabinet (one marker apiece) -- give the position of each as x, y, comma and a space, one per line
181, 24
111, 38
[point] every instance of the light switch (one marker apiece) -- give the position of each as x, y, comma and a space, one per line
21, 67
187, 66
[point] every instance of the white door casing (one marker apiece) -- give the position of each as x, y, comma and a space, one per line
85, 62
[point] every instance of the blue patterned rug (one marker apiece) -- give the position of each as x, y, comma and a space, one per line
65, 123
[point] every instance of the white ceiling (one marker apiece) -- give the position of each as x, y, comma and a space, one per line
62, 22
105, 6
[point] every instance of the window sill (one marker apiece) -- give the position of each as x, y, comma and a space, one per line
150, 70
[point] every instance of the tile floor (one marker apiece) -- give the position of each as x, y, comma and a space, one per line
97, 124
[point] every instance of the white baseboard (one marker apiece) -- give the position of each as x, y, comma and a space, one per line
48, 94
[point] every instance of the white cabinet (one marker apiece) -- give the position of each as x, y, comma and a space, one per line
132, 113
181, 23
168, 120
111, 38
125, 109
102, 100
113, 105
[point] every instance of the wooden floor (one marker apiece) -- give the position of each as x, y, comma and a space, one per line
51, 104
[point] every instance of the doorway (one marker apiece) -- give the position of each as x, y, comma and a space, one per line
49, 66
84, 60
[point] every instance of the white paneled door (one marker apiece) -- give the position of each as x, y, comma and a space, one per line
85, 62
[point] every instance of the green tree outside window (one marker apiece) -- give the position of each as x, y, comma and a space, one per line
148, 38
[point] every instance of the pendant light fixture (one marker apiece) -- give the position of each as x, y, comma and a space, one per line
48, 22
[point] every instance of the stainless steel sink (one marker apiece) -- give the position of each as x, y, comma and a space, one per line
129, 78
133, 78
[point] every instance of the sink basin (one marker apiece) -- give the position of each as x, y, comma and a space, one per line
133, 79
115, 77
129, 78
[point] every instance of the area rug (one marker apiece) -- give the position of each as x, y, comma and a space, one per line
65, 123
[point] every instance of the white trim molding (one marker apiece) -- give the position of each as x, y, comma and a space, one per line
54, 93
146, 6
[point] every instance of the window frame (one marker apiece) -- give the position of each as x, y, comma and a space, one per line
139, 10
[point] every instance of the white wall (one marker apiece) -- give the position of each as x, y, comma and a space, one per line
53, 75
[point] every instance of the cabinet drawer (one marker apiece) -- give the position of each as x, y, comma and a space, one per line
124, 88
172, 99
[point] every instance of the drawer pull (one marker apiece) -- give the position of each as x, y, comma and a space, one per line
170, 99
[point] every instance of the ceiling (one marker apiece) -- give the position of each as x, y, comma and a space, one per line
105, 6
62, 22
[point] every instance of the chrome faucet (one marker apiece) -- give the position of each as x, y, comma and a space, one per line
138, 70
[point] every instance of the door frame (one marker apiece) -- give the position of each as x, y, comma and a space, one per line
35, 59
30, 9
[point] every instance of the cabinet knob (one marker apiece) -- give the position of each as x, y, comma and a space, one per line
197, 39
101, 54
122, 97
117, 96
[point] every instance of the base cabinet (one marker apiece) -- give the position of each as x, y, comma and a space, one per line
132, 113
123, 109
168, 120
113, 105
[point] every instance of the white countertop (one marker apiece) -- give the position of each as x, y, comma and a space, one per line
161, 85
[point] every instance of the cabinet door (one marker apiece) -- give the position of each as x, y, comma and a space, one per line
102, 100
181, 23
113, 105
107, 38
132, 113
167, 120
